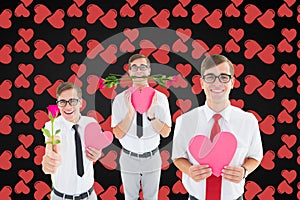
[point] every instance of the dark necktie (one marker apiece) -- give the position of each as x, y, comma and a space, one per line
213, 183
139, 123
79, 159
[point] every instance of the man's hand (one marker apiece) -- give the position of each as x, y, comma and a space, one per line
93, 154
128, 103
233, 173
199, 172
151, 109
51, 159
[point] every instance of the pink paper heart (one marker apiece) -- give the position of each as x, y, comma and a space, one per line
94, 137
142, 99
216, 154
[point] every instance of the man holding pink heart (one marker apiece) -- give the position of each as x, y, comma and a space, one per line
140, 115
216, 145
71, 162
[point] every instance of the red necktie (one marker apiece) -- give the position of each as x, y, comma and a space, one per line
213, 183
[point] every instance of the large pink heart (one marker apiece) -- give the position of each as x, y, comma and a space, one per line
216, 154
94, 137
142, 99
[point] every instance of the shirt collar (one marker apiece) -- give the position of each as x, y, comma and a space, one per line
209, 112
68, 124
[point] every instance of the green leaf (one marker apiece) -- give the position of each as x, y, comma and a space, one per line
49, 142
57, 131
46, 132
56, 141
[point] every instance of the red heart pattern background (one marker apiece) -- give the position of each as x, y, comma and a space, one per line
44, 43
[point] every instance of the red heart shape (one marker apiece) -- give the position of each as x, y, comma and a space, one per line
180, 82
56, 20
109, 160
42, 83
147, 12
110, 193
290, 70
26, 105
26, 140
212, 153
284, 152
26, 69
131, 34
290, 35
42, 12
21, 11
237, 103
5, 56
109, 19
162, 54
165, 156
284, 46
94, 137
79, 70
290, 176
289, 105
142, 99
196, 88
96, 115
74, 11
266, 90
284, 81
5, 87
52, 90
232, 46
199, 12
21, 117
127, 11
284, 11
93, 81
252, 189
252, 47
178, 113
178, 188
26, 175
162, 19
5, 125
39, 153
56, 55
267, 125
289, 140
126, 46
163, 193
184, 34
5, 19
252, 12
106, 124
266, 20
5, 162
75, 80
284, 117
179, 46
184, 105
73, 46
232, 11
236, 34
41, 117
199, 48
179, 11
214, 19
21, 152
252, 83
26, 34
238, 69
184, 69
79, 34
41, 190
94, 13
268, 160
109, 54
42, 47
21, 46
147, 47
94, 48
267, 193
216, 49
5, 193
284, 187
98, 188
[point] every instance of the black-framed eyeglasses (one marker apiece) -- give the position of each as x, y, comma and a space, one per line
211, 78
63, 103
142, 67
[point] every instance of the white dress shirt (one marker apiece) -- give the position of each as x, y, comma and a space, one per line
66, 180
150, 139
199, 121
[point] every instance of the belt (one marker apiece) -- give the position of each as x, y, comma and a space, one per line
75, 197
194, 198
143, 155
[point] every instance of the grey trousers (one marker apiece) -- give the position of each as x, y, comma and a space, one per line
136, 172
